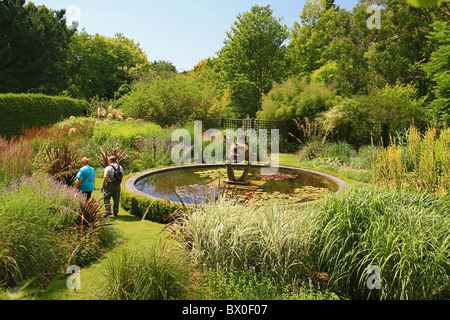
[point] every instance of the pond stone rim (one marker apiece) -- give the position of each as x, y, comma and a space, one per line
130, 183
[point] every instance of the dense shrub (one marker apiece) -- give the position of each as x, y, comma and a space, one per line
381, 113
22, 111
296, 98
166, 100
251, 285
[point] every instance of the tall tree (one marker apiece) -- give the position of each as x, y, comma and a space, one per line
401, 46
438, 69
100, 65
311, 37
254, 56
33, 48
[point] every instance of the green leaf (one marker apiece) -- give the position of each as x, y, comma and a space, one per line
426, 3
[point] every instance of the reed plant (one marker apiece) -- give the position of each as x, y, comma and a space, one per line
155, 273
404, 233
227, 236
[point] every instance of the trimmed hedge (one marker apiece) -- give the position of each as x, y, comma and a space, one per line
157, 211
25, 111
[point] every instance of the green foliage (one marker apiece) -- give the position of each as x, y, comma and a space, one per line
152, 152
438, 69
248, 284
124, 133
41, 232
81, 247
62, 164
422, 163
426, 3
23, 111
310, 38
296, 98
253, 58
239, 285
33, 48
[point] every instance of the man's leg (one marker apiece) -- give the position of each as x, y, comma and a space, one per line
107, 200
116, 198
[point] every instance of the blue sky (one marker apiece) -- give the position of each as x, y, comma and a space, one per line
181, 31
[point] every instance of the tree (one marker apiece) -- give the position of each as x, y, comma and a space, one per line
401, 46
254, 56
438, 69
33, 48
100, 65
311, 37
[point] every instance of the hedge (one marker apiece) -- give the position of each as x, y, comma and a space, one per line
25, 111
155, 210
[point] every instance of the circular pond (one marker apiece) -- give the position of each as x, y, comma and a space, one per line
193, 184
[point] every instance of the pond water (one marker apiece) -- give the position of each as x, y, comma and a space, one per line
197, 185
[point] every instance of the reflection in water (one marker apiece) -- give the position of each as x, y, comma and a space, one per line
202, 184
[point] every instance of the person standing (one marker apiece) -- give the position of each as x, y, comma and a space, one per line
86, 179
112, 179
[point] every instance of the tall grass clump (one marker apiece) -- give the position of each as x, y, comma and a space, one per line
148, 274
15, 160
404, 233
227, 236
45, 226
32, 210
